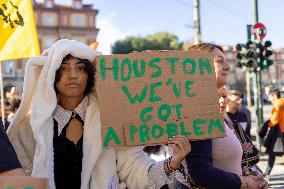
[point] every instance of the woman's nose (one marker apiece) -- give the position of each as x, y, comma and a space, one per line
226, 66
72, 72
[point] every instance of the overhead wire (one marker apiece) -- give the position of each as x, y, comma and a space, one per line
180, 13
236, 14
228, 10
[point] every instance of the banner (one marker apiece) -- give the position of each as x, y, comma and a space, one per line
18, 37
147, 97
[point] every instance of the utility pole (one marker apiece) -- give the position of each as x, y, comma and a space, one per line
196, 19
248, 77
257, 85
255, 11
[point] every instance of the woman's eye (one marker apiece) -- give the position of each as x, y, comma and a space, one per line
219, 60
82, 68
63, 68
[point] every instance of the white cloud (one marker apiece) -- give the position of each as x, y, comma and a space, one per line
108, 34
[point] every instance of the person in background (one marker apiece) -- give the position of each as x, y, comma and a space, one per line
247, 112
266, 94
15, 104
276, 125
215, 164
236, 116
7, 110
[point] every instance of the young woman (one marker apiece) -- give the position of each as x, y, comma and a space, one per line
57, 131
216, 163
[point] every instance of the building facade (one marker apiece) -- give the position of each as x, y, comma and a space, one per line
54, 21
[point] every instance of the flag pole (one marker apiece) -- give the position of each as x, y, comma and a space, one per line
2, 95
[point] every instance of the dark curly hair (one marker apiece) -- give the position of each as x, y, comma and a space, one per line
89, 68
275, 91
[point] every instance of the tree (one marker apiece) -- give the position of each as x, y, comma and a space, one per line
158, 41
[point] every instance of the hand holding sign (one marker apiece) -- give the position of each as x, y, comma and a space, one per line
181, 147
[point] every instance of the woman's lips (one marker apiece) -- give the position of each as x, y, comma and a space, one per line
73, 85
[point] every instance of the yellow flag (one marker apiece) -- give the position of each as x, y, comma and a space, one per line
18, 36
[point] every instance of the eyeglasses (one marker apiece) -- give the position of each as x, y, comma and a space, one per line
238, 100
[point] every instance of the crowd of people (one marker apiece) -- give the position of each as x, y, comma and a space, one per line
56, 133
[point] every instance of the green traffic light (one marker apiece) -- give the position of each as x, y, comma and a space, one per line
267, 63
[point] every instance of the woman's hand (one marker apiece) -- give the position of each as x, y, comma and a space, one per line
261, 183
248, 182
181, 148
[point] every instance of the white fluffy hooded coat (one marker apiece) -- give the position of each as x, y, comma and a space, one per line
31, 131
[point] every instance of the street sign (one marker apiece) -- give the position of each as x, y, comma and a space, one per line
258, 31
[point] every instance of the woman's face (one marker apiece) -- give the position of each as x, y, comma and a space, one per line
221, 67
73, 79
222, 99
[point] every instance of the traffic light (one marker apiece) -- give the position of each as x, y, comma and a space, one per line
267, 52
246, 55
254, 56
239, 48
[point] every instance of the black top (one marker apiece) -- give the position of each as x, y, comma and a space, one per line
8, 156
239, 117
6, 124
67, 159
200, 168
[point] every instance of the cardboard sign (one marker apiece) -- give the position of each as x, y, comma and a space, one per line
147, 97
23, 183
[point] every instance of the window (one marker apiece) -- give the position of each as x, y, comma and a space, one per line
78, 20
8, 68
49, 4
281, 66
47, 41
78, 5
49, 19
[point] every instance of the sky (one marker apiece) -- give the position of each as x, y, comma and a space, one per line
222, 21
